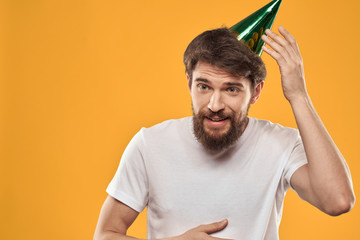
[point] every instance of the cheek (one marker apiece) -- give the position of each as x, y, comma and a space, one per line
199, 102
239, 106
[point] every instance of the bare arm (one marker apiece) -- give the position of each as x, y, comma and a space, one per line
115, 219
325, 181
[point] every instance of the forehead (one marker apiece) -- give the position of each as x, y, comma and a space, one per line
212, 73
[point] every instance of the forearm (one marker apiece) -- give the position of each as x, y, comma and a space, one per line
329, 175
325, 182
110, 235
198, 233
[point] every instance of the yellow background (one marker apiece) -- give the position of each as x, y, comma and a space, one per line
79, 78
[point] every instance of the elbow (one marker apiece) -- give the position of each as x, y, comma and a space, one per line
98, 236
341, 205
107, 235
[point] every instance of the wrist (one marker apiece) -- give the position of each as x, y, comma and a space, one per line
302, 106
301, 99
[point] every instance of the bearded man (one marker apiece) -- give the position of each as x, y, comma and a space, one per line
221, 164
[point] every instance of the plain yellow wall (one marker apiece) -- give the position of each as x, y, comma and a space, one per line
80, 78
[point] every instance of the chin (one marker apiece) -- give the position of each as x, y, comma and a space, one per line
217, 133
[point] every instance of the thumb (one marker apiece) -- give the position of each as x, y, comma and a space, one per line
213, 227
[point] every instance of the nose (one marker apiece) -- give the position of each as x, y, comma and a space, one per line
216, 104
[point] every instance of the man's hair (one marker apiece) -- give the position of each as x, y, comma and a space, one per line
220, 48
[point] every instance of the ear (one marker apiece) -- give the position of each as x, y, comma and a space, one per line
257, 92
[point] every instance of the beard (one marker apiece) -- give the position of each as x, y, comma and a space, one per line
216, 141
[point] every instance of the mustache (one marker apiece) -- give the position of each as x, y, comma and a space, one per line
210, 114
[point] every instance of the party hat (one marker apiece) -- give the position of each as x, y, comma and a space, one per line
250, 29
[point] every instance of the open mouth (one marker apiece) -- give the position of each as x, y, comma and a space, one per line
217, 119
216, 122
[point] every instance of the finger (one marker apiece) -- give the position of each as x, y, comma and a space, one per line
281, 54
281, 41
213, 227
287, 36
281, 45
290, 39
216, 238
274, 55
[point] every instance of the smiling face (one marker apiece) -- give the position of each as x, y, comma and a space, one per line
220, 105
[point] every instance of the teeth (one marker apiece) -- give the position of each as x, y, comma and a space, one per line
217, 120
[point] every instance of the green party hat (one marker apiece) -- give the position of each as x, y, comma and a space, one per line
250, 29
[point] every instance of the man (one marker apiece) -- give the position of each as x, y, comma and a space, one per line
221, 164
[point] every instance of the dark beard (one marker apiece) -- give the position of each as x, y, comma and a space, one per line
215, 143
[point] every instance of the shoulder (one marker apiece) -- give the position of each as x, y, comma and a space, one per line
167, 128
273, 131
160, 135
170, 124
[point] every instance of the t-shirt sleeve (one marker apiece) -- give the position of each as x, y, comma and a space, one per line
296, 160
130, 183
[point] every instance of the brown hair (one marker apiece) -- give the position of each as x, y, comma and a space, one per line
220, 47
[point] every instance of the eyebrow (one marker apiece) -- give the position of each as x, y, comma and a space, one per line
234, 84
227, 83
201, 80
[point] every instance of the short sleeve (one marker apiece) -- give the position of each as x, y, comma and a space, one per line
130, 183
296, 160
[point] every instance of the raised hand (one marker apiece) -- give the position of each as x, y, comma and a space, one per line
325, 181
287, 54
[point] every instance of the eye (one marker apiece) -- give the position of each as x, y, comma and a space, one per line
203, 87
233, 90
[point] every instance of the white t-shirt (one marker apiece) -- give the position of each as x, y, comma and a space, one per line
165, 168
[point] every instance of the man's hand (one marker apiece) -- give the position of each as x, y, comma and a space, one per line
116, 217
202, 232
287, 54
